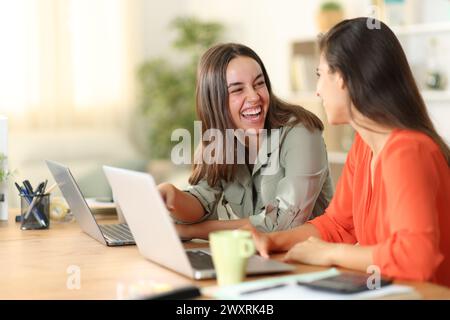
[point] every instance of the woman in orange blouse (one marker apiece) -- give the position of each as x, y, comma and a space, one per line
393, 196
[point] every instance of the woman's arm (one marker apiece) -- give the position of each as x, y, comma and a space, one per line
282, 240
414, 182
336, 225
352, 256
317, 252
201, 230
182, 205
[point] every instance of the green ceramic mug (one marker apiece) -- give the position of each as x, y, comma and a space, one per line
230, 250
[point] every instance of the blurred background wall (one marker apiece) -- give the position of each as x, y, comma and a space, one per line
72, 85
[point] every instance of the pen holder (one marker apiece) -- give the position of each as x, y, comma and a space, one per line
35, 211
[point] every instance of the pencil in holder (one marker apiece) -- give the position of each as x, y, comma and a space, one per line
35, 211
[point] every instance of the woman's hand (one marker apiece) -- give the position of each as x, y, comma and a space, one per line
182, 205
168, 194
312, 251
184, 231
263, 243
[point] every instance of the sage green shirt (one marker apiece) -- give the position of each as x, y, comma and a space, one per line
290, 184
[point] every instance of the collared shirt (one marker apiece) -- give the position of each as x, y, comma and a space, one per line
290, 184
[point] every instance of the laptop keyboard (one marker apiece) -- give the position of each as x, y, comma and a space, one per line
117, 232
200, 260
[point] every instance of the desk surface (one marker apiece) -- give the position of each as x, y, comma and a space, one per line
35, 266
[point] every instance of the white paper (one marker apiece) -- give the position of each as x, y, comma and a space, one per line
233, 291
93, 203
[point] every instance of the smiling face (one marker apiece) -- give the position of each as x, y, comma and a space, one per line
248, 97
334, 93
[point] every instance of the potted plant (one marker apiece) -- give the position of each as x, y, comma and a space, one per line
167, 90
5, 174
330, 13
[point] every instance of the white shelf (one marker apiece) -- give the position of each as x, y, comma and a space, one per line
337, 157
425, 28
307, 39
435, 95
406, 30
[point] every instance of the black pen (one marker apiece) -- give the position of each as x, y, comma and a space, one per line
276, 286
37, 198
30, 197
39, 188
19, 188
28, 187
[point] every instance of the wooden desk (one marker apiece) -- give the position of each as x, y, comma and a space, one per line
35, 264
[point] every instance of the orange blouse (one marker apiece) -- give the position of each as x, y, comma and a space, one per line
406, 215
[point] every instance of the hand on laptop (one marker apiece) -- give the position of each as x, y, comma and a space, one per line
168, 192
182, 205
262, 241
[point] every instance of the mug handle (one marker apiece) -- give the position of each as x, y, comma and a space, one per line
247, 248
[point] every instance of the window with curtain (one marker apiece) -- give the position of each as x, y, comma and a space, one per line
66, 62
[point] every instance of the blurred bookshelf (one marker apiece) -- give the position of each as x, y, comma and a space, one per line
337, 157
304, 61
436, 96
415, 39
422, 29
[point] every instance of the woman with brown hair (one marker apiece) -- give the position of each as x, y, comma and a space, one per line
392, 197
281, 183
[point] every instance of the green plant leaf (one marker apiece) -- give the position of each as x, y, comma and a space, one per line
5, 173
331, 6
167, 92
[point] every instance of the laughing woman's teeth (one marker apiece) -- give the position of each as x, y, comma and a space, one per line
252, 113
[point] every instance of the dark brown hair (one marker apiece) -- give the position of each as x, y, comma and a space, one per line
213, 111
378, 77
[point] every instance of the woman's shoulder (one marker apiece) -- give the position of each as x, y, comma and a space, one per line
299, 137
298, 131
411, 140
414, 146
402, 139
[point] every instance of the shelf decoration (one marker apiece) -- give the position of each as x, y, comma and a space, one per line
330, 13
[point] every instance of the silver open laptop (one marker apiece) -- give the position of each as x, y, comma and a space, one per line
155, 234
111, 234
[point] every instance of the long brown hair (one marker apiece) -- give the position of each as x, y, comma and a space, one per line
212, 107
378, 77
